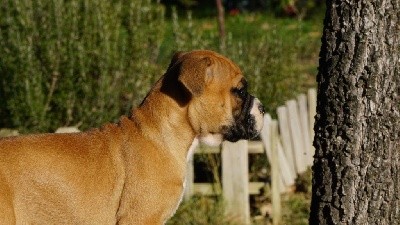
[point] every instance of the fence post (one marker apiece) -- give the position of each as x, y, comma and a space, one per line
305, 130
275, 190
285, 137
266, 139
235, 179
284, 168
189, 180
297, 139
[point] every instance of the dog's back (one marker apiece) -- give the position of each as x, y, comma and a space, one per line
71, 174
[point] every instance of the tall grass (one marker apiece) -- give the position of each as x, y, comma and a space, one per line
77, 62
85, 62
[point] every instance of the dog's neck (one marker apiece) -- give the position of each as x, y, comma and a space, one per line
167, 117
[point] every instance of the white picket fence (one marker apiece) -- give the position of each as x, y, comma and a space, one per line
287, 142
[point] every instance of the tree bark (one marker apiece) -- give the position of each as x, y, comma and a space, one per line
356, 172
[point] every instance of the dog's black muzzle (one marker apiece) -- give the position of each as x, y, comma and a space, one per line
245, 126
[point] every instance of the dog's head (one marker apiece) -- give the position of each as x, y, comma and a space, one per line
215, 92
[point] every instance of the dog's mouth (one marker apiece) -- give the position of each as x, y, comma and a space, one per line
249, 123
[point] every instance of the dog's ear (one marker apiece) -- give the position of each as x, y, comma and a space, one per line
195, 73
175, 58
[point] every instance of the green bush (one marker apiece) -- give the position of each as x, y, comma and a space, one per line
85, 62
77, 62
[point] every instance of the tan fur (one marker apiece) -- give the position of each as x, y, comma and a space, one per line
126, 173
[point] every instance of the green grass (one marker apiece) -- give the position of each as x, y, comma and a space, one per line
201, 210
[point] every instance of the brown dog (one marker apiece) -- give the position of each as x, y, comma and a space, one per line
131, 172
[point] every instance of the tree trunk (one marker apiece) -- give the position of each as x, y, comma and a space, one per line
221, 23
356, 172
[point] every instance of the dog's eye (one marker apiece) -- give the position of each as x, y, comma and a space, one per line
239, 91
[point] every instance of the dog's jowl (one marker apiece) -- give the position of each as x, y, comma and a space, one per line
131, 172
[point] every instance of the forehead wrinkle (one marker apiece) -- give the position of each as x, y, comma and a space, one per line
223, 60
233, 69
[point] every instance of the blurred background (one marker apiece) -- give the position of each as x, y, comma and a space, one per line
86, 62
